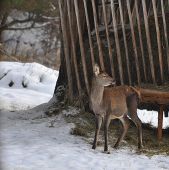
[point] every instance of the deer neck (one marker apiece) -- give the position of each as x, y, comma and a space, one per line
96, 94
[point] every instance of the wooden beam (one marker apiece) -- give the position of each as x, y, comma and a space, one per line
158, 40
74, 56
89, 33
140, 39
81, 45
148, 41
160, 123
134, 42
154, 96
125, 41
117, 43
165, 31
108, 39
97, 35
66, 49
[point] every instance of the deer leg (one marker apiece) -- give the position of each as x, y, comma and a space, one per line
138, 124
125, 123
98, 125
106, 126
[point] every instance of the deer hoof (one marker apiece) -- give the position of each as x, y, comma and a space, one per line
116, 146
107, 152
140, 146
93, 147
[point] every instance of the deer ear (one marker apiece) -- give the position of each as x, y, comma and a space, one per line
96, 70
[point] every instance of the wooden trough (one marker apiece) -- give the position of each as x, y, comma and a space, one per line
157, 97
128, 39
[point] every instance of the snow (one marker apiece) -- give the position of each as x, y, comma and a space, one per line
39, 81
29, 142
151, 117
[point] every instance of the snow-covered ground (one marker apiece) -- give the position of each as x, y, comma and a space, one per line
27, 142
31, 84
32, 144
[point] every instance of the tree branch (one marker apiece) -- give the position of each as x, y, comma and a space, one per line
31, 18
25, 28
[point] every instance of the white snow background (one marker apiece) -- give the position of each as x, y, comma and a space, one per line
28, 143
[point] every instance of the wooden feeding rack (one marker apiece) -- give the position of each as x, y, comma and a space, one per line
158, 97
127, 38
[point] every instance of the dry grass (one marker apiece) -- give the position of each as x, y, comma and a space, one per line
85, 127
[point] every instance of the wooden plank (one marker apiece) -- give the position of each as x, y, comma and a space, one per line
97, 35
125, 41
108, 39
160, 123
165, 32
153, 96
74, 56
148, 41
134, 42
66, 49
158, 39
81, 45
140, 39
89, 33
117, 43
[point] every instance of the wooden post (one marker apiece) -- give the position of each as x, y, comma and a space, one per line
108, 38
158, 39
66, 50
134, 42
74, 50
125, 41
148, 41
97, 35
89, 33
160, 123
165, 31
140, 39
117, 42
81, 45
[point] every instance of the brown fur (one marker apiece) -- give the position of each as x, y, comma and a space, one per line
113, 103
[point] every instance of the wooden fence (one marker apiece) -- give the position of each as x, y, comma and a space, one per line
129, 39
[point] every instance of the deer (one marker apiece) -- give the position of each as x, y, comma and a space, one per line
115, 102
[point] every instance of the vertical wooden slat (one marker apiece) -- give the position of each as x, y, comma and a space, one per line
108, 38
149, 9
134, 42
140, 38
73, 49
125, 41
148, 41
66, 49
97, 35
158, 39
117, 42
160, 123
165, 32
89, 33
81, 45
133, 13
